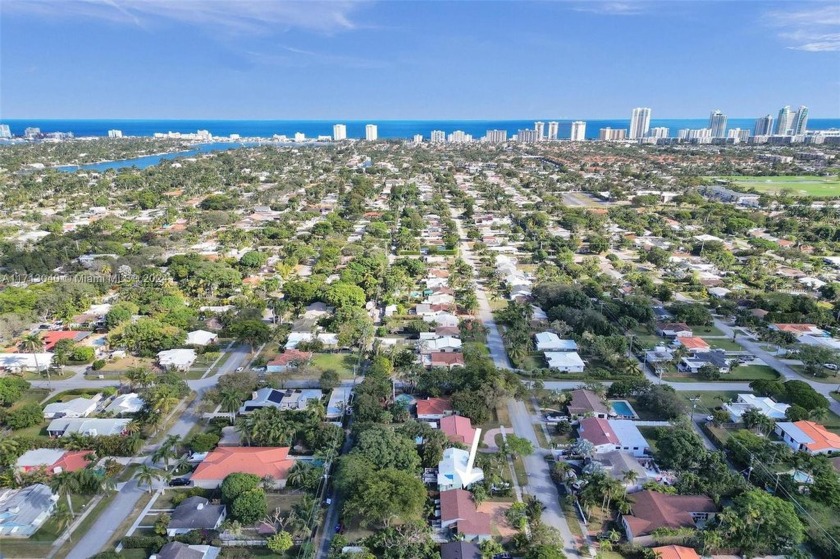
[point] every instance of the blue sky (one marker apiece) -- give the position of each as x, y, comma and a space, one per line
348, 59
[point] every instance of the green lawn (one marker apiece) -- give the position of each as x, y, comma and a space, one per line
800, 185
341, 362
704, 331
832, 379
743, 373
709, 399
724, 344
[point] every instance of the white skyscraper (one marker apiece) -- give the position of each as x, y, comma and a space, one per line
659, 132
496, 136
371, 132
539, 128
339, 132
764, 126
459, 137
5, 131
785, 122
717, 122
527, 136
300, 137
115, 133
639, 123
800, 121
578, 131
553, 127
418, 138
612, 134
438, 136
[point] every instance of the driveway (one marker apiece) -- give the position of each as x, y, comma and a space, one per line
125, 501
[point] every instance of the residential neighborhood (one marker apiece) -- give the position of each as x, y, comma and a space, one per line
419, 350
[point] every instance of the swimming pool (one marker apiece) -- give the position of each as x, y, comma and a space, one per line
622, 408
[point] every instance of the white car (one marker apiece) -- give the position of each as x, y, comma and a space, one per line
830, 366
240, 369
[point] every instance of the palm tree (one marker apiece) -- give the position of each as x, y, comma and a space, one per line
146, 475
65, 483
819, 415
629, 477
167, 450
8, 451
63, 518
33, 344
229, 401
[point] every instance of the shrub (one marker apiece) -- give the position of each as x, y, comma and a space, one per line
203, 442
25, 416
98, 364
151, 544
83, 354
237, 484
249, 507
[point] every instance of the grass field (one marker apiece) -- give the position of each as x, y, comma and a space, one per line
800, 185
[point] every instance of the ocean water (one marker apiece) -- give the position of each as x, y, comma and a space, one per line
404, 129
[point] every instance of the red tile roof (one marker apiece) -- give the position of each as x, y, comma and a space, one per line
597, 431
796, 328
442, 359
651, 510
291, 356
434, 406
458, 429
823, 438
676, 552
52, 338
690, 342
257, 460
457, 505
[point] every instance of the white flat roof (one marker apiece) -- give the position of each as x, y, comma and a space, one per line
628, 434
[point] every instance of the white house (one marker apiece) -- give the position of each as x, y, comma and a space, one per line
564, 361
808, 436
442, 318
443, 343
456, 470
613, 434
766, 406
177, 359
339, 402
77, 407
201, 338
126, 404
93, 427
22, 362
23, 511
549, 341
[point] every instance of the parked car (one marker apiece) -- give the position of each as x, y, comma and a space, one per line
240, 369
830, 366
180, 482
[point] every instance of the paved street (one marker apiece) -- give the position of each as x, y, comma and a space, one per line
124, 502
539, 483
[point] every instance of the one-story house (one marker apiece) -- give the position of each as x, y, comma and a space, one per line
675, 552
447, 360
287, 360
434, 409
338, 403
126, 404
617, 463
565, 361
23, 511
77, 407
613, 434
673, 329
695, 362
458, 512
444, 344
292, 399
53, 337
93, 427
549, 341
460, 550
456, 469
692, 343
767, 406
201, 338
53, 460
195, 513
651, 510
586, 403
808, 436
177, 359
458, 429
25, 362
260, 461
178, 550
328, 339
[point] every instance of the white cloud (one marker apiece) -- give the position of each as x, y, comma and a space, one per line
236, 16
811, 30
